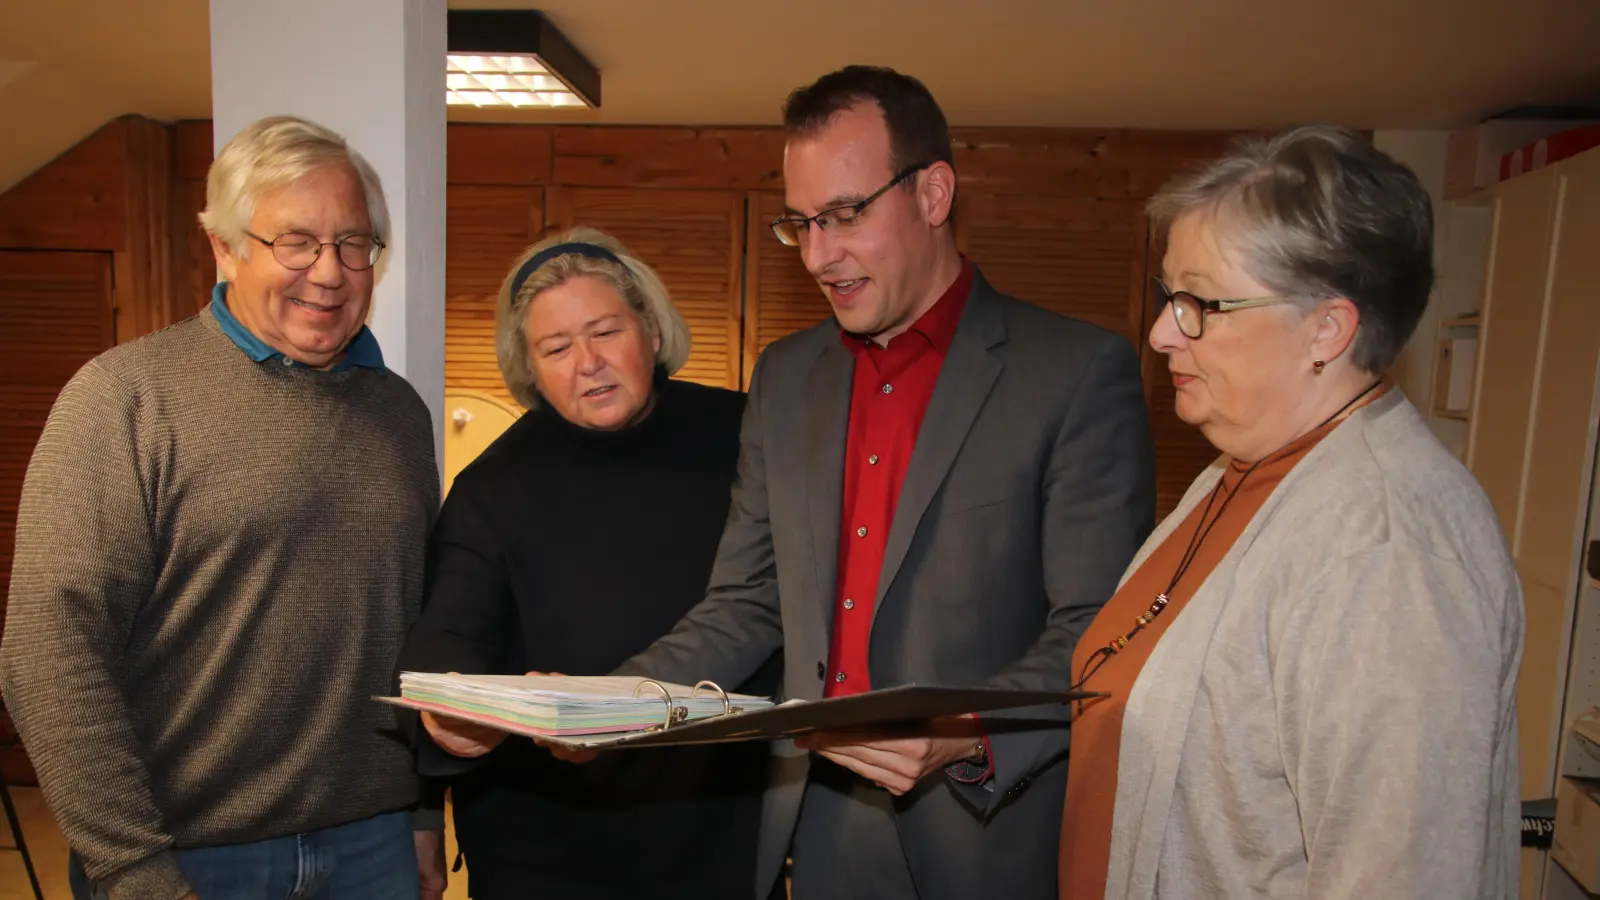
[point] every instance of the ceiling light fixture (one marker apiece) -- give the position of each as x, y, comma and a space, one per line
515, 58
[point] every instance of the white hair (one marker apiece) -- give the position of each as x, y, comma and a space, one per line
273, 153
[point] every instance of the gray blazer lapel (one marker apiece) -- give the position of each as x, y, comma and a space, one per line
828, 407
965, 380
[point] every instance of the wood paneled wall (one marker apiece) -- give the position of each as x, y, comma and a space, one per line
111, 193
86, 260
1052, 216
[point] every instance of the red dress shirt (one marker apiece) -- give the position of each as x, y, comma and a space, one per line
888, 398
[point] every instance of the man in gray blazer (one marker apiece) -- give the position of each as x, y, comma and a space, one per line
942, 485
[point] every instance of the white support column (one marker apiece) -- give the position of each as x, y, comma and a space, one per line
372, 70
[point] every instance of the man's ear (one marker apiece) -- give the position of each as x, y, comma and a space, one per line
227, 261
937, 193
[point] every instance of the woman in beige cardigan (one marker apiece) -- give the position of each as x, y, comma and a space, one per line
1312, 662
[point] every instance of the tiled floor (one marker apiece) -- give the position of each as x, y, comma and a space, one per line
49, 852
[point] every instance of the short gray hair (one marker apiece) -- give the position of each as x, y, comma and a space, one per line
641, 288
271, 154
1318, 212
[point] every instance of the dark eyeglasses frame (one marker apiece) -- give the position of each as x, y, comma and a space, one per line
338, 249
841, 214
1167, 296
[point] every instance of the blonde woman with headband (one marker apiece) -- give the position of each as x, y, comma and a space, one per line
577, 538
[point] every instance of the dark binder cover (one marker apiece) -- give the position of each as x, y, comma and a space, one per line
885, 709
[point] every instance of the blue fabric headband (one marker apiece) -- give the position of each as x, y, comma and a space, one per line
593, 251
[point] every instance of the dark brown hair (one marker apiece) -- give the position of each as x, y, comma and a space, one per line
918, 133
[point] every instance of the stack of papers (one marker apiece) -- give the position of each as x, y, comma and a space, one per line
558, 705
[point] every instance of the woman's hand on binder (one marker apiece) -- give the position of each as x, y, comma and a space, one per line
458, 737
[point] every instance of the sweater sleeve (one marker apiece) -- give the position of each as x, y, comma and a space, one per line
85, 565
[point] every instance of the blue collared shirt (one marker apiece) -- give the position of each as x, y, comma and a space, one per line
362, 351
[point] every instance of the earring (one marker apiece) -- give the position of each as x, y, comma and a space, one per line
1317, 366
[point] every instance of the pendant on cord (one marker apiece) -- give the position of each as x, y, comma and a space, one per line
1144, 619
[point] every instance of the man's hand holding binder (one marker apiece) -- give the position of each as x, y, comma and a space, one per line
897, 764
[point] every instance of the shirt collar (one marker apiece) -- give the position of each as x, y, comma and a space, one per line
938, 325
362, 351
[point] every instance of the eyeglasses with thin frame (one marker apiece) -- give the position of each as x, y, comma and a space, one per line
298, 251
1190, 311
838, 221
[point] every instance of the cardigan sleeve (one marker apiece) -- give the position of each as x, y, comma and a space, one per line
1396, 701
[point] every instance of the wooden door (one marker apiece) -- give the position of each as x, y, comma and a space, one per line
486, 229
56, 313
781, 297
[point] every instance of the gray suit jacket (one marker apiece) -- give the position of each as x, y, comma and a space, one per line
1030, 488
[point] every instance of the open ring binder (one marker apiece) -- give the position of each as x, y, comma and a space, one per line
728, 709
615, 711
675, 714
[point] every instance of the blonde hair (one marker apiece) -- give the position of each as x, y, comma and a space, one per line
273, 153
641, 288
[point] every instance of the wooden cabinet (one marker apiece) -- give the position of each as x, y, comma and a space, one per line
781, 296
1532, 445
486, 228
1513, 312
1563, 644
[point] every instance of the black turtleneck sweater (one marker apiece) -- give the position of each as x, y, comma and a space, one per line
562, 549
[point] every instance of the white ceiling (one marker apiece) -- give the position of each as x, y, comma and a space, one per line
1123, 63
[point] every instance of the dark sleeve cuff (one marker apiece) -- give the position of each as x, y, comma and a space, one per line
968, 772
428, 814
423, 819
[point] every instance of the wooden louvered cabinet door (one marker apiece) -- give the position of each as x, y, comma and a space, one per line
1080, 257
55, 315
486, 229
781, 297
695, 241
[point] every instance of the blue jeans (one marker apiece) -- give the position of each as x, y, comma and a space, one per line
374, 859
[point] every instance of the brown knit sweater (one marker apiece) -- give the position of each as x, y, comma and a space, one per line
216, 563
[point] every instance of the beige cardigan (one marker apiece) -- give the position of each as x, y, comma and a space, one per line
1333, 714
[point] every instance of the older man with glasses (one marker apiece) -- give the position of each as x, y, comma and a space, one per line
219, 550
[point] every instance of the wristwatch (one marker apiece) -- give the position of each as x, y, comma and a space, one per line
972, 768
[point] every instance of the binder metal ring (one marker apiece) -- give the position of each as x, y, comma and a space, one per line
675, 714
727, 707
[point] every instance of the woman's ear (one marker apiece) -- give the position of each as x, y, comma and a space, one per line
1335, 328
